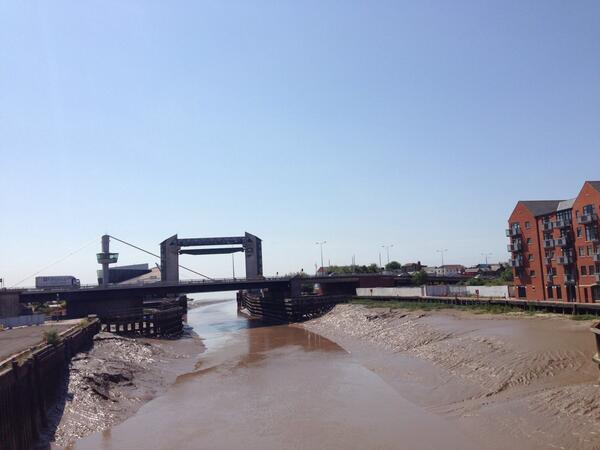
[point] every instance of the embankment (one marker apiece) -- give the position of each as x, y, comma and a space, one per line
31, 382
517, 381
111, 381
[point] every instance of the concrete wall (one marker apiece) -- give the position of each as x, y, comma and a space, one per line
390, 292
488, 291
20, 321
435, 291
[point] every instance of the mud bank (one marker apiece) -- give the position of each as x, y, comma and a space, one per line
110, 382
515, 382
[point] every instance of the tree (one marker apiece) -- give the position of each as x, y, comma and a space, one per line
393, 265
507, 274
419, 277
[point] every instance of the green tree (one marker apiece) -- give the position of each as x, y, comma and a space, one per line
419, 277
393, 265
507, 274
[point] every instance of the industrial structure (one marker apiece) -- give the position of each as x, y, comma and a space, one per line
171, 248
555, 247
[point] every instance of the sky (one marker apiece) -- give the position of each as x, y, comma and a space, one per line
414, 124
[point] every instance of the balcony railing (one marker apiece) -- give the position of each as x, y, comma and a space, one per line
569, 279
548, 243
512, 232
547, 226
587, 218
562, 242
562, 223
564, 260
514, 247
547, 260
594, 238
516, 262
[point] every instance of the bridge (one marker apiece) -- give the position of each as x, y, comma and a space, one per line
106, 298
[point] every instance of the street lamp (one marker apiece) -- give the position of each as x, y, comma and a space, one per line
320, 244
442, 251
387, 249
485, 255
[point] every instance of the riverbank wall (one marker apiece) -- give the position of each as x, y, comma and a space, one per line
30, 383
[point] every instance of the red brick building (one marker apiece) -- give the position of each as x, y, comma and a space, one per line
555, 247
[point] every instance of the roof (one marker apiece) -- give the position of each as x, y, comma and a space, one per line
565, 204
541, 207
595, 185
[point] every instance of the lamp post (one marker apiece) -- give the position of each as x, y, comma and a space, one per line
485, 255
387, 249
442, 251
233, 266
320, 244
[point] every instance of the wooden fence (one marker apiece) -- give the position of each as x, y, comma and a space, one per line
30, 383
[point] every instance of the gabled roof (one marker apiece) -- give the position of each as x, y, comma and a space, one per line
595, 185
541, 207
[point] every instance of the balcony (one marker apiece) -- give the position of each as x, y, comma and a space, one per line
514, 247
562, 223
564, 260
585, 219
562, 242
547, 260
516, 262
548, 243
547, 226
513, 232
569, 279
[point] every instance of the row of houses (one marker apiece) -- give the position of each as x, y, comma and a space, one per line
454, 270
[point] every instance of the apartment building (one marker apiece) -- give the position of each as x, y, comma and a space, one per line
555, 247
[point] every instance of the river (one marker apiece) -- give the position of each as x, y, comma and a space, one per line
270, 387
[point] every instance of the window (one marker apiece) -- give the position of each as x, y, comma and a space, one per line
564, 215
527, 225
591, 232
591, 270
532, 273
530, 257
558, 292
583, 270
529, 241
578, 232
550, 292
581, 251
588, 209
590, 250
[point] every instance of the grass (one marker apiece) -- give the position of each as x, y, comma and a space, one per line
52, 337
476, 309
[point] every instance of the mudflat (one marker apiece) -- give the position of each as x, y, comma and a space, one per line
515, 381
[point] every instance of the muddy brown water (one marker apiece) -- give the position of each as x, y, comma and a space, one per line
401, 381
267, 387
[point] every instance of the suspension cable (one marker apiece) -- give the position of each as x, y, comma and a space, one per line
56, 262
157, 256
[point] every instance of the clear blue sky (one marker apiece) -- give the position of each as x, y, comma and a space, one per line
418, 124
